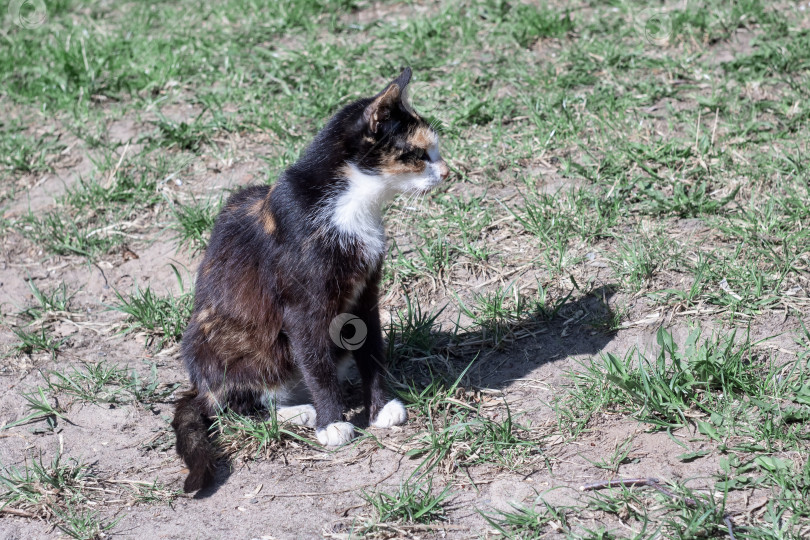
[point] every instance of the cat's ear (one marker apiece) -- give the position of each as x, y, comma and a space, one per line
380, 109
403, 79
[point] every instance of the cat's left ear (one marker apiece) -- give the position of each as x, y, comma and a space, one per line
379, 110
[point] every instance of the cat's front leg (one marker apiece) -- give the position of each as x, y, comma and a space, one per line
370, 360
316, 357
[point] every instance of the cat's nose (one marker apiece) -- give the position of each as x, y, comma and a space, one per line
444, 170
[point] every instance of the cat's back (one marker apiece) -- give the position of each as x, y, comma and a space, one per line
241, 237
245, 219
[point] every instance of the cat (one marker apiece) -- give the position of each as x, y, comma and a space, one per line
289, 284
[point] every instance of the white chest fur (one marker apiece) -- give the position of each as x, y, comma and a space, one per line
356, 212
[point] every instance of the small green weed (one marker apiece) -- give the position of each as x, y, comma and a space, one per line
411, 334
500, 312
103, 383
20, 153
719, 385
412, 502
194, 222
60, 491
253, 436
460, 434
162, 318
636, 261
36, 341
40, 408
48, 303
526, 523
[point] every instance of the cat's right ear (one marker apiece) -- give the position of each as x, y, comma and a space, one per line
380, 109
403, 79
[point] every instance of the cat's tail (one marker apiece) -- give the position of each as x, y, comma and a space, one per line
191, 425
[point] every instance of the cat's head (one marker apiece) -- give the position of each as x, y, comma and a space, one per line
397, 145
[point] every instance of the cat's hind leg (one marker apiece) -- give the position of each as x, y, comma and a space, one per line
302, 415
292, 402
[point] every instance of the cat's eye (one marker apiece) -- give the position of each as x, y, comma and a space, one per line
419, 153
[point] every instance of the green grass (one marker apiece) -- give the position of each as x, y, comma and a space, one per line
56, 490
22, 153
727, 395
527, 522
48, 303
100, 212
162, 318
34, 341
718, 376
48, 306
68, 492
255, 437
412, 333
40, 408
459, 434
61, 235
411, 502
104, 383
194, 221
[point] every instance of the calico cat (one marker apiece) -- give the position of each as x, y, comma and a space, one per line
292, 270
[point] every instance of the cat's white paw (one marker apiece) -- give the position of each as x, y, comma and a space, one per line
335, 434
302, 415
393, 414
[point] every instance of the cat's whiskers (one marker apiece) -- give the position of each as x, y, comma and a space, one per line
407, 208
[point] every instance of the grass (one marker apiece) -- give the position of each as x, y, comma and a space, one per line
101, 382
194, 223
41, 408
411, 502
711, 376
34, 341
728, 396
162, 318
64, 491
254, 437
527, 522
411, 333
49, 302
34, 322
25, 154
94, 383
657, 152
57, 490
460, 434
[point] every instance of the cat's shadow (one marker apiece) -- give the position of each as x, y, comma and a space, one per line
497, 353
221, 476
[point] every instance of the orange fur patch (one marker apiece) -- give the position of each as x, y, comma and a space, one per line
268, 222
255, 208
203, 317
422, 137
392, 166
